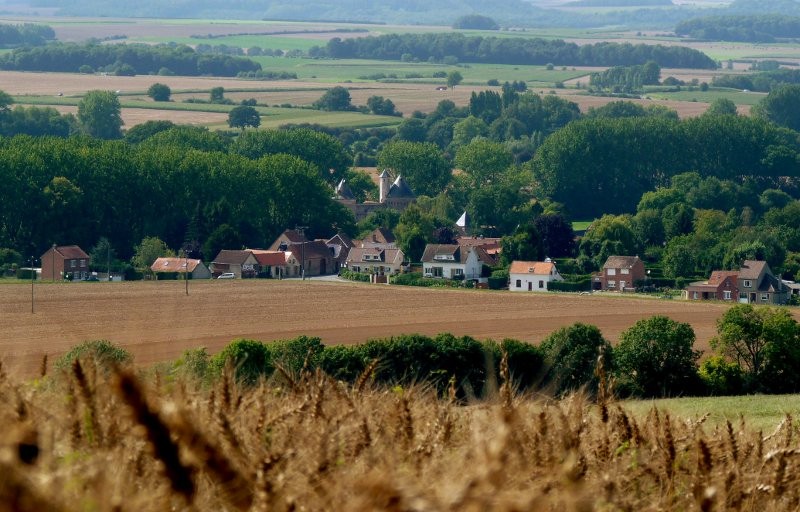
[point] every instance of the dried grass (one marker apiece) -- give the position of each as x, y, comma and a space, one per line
316, 444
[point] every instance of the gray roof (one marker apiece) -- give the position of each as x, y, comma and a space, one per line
343, 190
621, 261
400, 189
751, 269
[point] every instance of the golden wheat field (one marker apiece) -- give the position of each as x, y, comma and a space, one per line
91, 438
157, 321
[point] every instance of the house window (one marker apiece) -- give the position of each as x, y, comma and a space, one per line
726, 295
612, 271
83, 263
458, 271
541, 283
695, 296
72, 263
622, 285
624, 271
519, 283
612, 284
748, 284
764, 297
436, 271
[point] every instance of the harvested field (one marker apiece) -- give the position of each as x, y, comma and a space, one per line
133, 116
157, 321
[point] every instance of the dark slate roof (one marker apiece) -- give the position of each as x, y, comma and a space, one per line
343, 190
400, 189
433, 250
311, 250
381, 236
341, 239
71, 252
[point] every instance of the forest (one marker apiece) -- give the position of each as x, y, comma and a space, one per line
28, 34
125, 59
529, 51
754, 28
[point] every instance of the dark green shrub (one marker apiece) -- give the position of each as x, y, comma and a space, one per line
525, 362
343, 362
655, 358
570, 356
354, 276
104, 354
194, 364
570, 286
249, 359
292, 354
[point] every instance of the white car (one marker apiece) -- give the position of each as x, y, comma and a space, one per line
227, 275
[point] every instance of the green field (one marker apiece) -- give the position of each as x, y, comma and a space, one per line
271, 117
760, 412
738, 97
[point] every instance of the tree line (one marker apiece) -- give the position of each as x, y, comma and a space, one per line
125, 59
512, 50
764, 28
27, 34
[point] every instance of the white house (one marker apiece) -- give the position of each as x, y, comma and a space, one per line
375, 260
452, 261
532, 276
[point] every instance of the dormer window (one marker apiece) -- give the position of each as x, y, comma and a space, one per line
444, 257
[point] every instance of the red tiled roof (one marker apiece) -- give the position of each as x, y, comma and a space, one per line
174, 265
541, 268
269, 258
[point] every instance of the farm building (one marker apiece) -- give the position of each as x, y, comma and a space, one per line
241, 262
532, 276
316, 257
179, 266
65, 262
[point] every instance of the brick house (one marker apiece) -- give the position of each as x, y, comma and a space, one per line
316, 257
722, 285
619, 273
65, 261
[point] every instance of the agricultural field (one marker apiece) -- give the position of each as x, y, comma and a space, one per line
157, 321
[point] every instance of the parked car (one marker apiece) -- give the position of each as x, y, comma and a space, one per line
92, 278
227, 275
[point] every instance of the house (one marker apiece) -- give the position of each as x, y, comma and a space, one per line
492, 246
396, 195
758, 285
276, 264
340, 245
195, 268
375, 260
453, 261
722, 285
315, 256
242, 263
65, 262
532, 276
619, 273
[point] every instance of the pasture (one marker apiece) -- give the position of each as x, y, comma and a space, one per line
156, 321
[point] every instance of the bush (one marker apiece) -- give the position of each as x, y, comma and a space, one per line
249, 359
194, 364
721, 377
102, 352
570, 286
655, 358
570, 356
293, 354
354, 276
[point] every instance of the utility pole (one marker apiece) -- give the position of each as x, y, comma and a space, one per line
186, 271
301, 230
108, 259
54, 263
33, 274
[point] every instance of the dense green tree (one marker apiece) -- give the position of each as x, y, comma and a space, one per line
223, 237
412, 130
571, 355
467, 129
757, 339
159, 92
99, 113
475, 22
217, 95
483, 161
150, 249
142, 131
384, 218
781, 106
721, 107
381, 106
336, 98
103, 256
421, 164
558, 238
679, 258
656, 358
454, 78
413, 231
525, 245
243, 116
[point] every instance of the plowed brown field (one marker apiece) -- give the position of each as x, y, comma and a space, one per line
157, 321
